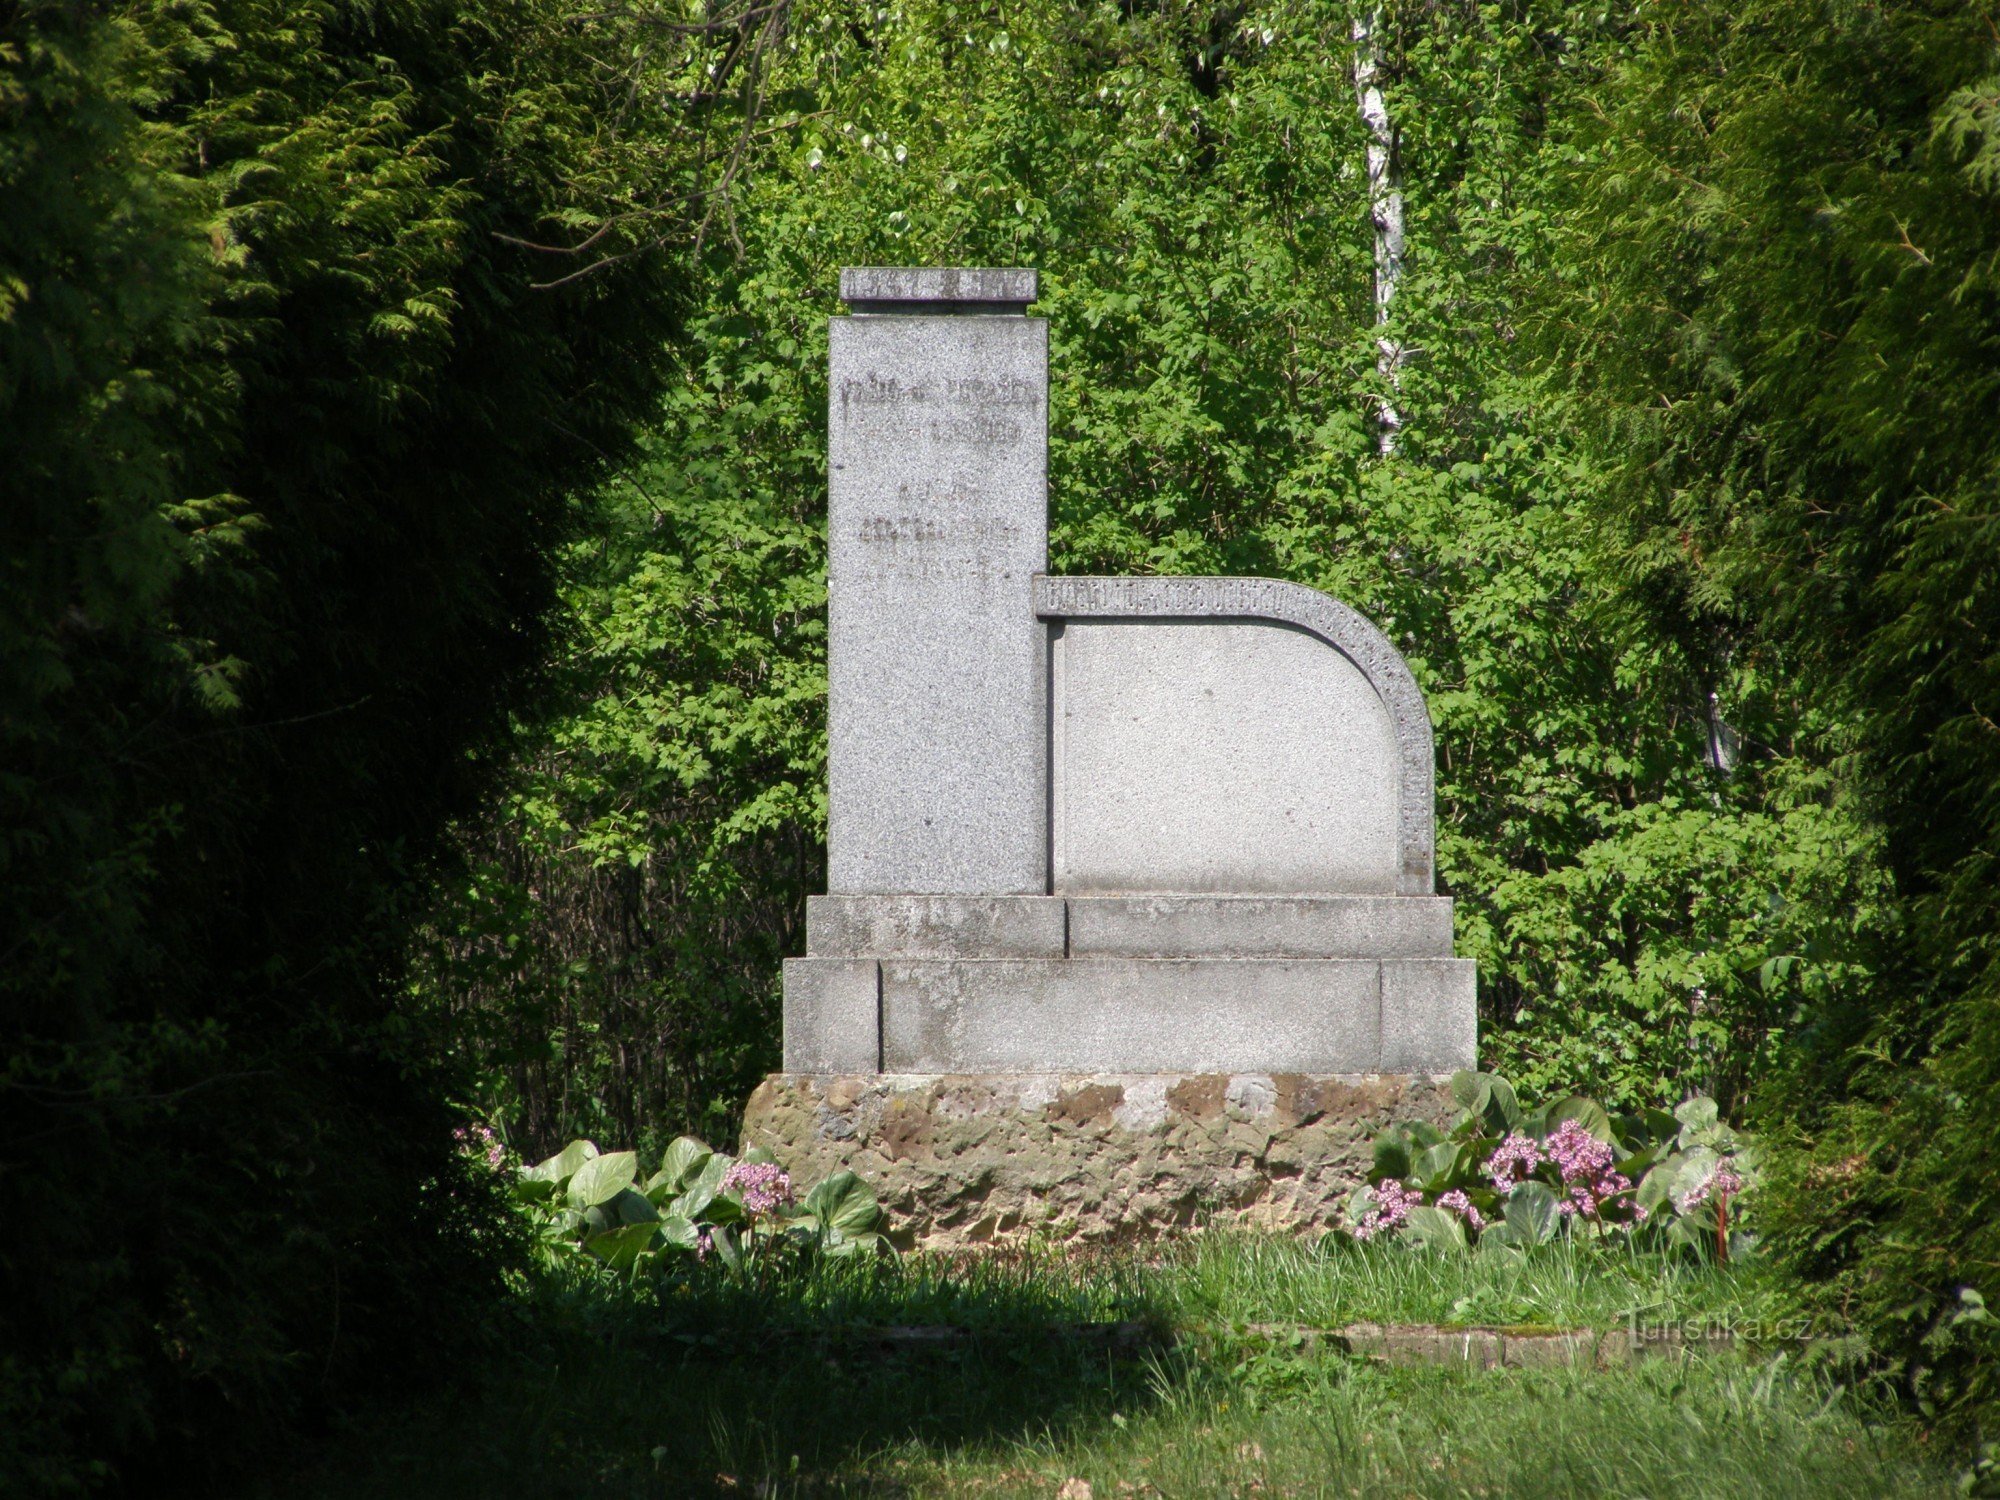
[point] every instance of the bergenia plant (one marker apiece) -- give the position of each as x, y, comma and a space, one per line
701, 1207
1502, 1177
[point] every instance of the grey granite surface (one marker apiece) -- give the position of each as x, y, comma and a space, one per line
937, 667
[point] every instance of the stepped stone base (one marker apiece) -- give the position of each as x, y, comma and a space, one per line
1325, 985
965, 1159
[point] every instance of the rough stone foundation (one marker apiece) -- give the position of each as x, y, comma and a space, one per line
963, 1159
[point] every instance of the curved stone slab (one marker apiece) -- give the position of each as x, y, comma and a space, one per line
1292, 604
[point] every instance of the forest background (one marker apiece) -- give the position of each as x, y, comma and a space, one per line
413, 634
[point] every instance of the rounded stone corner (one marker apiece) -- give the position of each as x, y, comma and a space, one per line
1339, 625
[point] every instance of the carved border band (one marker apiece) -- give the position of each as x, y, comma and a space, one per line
1344, 629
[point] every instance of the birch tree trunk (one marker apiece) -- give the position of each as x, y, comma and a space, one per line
1385, 208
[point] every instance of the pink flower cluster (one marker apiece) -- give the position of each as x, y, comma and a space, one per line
761, 1185
1577, 1152
1722, 1183
1585, 1164
1393, 1203
479, 1140
1512, 1160
1461, 1205
1583, 1160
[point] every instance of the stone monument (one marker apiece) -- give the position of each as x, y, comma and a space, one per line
1130, 915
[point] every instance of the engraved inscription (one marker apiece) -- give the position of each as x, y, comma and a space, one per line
971, 391
974, 529
980, 428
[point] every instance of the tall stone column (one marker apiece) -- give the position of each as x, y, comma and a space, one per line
937, 525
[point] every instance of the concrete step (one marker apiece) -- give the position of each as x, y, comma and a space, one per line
1139, 926
1267, 1015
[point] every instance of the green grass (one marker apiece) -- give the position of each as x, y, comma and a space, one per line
732, 1390
1562, 1285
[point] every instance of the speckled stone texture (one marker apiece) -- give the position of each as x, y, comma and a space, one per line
967, 1159
937, 669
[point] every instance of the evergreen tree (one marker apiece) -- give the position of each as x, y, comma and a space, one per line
1782, 308
290, 437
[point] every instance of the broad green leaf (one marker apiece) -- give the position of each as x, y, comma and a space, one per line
1435, 1229
727, 1249
848, 1245
1532, 1214
602, 1178
683, 1159
1473, 1091
1436, 1168
680, 1232
1392, 1157
1657, 1185
1586, 1112
564, 1164
1698, 1113
1505, 1104
633, 1207
620, 1248
845, 1204
694, 1202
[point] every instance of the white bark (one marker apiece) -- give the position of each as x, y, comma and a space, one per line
1385, 208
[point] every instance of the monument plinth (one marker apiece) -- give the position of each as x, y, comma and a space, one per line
1119, 869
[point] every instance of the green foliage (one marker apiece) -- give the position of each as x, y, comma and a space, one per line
288, 447
1780, 303
700, 1203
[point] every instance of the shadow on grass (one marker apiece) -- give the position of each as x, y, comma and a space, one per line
787, 1384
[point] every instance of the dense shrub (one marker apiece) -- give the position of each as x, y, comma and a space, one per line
1780, 298
289, 441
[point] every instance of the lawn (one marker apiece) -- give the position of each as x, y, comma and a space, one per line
1208, 1384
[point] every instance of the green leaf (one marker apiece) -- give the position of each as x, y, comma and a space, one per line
1697, 1114
683, 1159
844, 1204
680, 1232
1488, 1099
700, 1193
1657, 1185
849, 1245
1473, 1091
1435, 1229
1586, 1112
1392, 1157
559, 1168
621, 1248
633, 1207
727, 1249
1532, 1213
602, 1178
1436, 1168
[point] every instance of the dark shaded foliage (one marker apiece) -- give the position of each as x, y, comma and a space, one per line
289, 439
1785, 271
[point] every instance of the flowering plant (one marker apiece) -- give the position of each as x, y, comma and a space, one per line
701, 1205
1502, 1177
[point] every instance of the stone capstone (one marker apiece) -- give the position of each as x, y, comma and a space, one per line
967, 1159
